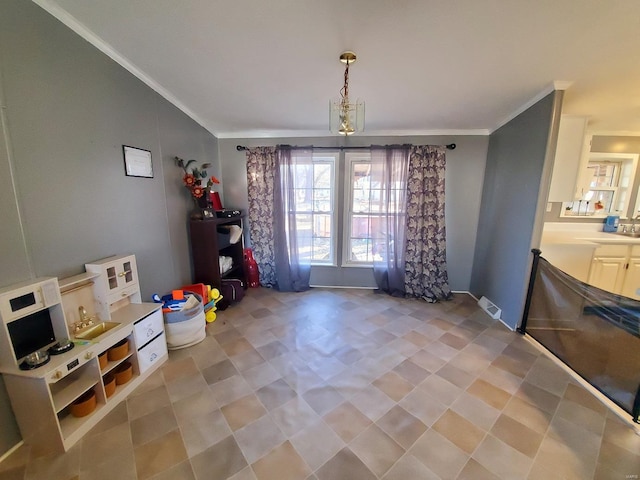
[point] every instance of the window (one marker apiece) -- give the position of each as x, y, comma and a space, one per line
314, 207
609, 178
363, 211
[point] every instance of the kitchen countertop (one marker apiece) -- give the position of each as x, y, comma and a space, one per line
583, 235
125, 316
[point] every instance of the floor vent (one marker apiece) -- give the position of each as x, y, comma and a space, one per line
492, 310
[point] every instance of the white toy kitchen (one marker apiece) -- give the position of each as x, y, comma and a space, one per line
71, 350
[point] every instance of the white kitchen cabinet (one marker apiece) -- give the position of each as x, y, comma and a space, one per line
117, 284
572, 151
631, 285
608, 273
616, 269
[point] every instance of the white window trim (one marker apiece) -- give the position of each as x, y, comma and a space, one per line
334, 161
350, 158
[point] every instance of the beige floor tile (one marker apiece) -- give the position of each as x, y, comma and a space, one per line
402, 426
245, 474
347, 421
345, 464
282, 463
476, 411
160, 454
377, 450
459, 431
561, 459
538, 397
474, 471
185, 386
621, 434
469, 362
393, 385
619, 460
185, 367
99, 449
458, 377
517, 435
583, 416
322, 399
226, 391
426, 360
527, 414
219, 371
53, 466
202, 431
409, 467
411, 372
501, 459
453, 341
219, 461
258, 438
417, 339
243, 411
121, 466
423, 406
153, 425
488, 393
440, 389
317, 443
246, 360
293, 416
439, 454
140, 405
182, 471
261, 375
275, 394
272, 349
372, 402
196, 404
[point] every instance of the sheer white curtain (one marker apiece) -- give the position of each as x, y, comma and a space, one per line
292, 231
389, 170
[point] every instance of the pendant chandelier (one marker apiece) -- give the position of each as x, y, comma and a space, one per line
346, 118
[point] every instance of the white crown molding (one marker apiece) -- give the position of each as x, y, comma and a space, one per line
555, 85
367, 133
613, 133
70, 21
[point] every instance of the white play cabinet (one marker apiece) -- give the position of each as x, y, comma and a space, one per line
41, 397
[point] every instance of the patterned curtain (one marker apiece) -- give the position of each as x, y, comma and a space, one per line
280, 247
425, 256
261, 167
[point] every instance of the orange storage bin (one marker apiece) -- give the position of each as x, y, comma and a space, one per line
123, 373
84, 405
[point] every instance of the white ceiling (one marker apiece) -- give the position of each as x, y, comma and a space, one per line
257, 68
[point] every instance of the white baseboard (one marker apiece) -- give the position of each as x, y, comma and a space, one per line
11, 450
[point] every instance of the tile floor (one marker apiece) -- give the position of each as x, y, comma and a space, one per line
348, 384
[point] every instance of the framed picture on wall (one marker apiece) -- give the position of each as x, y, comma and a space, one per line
137, 162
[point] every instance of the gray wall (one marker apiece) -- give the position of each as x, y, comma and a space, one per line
463, 186
516, 177
67, 110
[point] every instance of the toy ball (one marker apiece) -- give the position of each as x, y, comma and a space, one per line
210, 316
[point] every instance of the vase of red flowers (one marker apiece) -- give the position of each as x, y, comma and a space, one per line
192, 180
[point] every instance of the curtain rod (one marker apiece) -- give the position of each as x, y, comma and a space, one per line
240, 148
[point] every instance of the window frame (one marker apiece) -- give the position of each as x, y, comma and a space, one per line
330, 158
351, 158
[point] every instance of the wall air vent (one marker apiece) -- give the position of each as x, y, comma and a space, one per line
491, 309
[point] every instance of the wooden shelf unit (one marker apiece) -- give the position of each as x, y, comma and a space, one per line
208, 243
